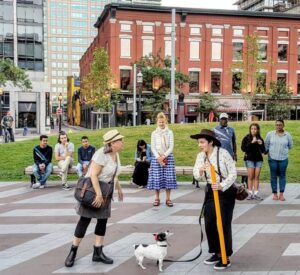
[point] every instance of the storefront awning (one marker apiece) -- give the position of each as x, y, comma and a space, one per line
232, 105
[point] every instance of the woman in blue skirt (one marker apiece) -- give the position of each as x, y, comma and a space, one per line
162, 173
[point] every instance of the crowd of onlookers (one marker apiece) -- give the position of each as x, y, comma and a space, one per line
155, 170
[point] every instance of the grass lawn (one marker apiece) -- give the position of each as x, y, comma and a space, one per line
15, 156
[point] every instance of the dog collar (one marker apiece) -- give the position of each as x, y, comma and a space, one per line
163, 245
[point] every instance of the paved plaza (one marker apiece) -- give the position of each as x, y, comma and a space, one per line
36, 229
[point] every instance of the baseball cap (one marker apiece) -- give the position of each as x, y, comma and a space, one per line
223, 115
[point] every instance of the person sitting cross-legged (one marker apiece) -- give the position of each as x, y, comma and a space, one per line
42, 168
64, 155
85, 154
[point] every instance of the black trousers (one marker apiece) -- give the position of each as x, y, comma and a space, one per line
83, 224
227, 202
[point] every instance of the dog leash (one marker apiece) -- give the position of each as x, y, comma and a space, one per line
201, 238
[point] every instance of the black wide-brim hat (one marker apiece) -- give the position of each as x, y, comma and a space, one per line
205, 133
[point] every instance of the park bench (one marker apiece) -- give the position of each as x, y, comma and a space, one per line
128, 170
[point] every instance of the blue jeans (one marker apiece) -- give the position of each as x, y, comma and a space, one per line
278, 169
42, 177
79, 168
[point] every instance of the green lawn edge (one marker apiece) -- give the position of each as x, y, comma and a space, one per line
14, 157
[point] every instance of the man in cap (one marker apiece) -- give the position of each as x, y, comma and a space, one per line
226, 135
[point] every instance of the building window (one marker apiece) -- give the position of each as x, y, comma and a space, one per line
237, 32
282, 52
298, 84
261, 83
148, 29
195, 31
216, 82
281, 77
237, 51
124, 79
236, 82
147, 47
167, 48
125, 28
194, 82
216, 48
168, 29
217, 32
194, 50
298, 53
125, 47
262, 51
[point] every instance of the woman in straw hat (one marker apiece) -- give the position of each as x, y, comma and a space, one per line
105, 167
162, 174
212, 154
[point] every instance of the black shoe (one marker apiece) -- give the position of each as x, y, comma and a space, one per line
71, 257
212, 260
220, 266
99, 256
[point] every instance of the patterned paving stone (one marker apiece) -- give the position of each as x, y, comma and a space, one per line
266, 235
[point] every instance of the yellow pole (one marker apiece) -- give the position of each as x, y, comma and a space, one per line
218, 214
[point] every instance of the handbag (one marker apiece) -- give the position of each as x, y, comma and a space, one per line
240, 189
85, 193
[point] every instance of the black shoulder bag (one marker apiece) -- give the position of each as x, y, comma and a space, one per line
85, 193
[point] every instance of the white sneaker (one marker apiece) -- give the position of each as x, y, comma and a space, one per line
42, 187
257, 197
36, 185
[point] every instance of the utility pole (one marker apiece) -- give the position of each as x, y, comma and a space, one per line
172, 96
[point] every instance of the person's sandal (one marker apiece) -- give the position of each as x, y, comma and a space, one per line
275, 197
169, 203
156, 202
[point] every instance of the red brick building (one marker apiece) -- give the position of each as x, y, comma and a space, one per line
207, 43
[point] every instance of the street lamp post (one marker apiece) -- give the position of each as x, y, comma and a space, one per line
140, 83
60, 98
1, 93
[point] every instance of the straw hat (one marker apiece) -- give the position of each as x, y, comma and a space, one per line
111, 136
207, 133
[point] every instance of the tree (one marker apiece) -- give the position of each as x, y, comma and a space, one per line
97, 86
277, 103
249, 70
18, 76
155, 68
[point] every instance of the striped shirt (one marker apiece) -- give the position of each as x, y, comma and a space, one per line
278, 146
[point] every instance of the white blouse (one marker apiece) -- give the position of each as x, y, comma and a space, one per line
162, 142
227, 167
108, 165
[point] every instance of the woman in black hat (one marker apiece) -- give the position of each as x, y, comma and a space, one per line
212, 154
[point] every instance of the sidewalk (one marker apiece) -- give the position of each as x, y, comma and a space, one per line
19, 136
37, 226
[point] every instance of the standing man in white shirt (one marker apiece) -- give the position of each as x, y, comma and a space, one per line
64, 155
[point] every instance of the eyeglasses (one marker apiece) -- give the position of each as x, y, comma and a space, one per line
278, 124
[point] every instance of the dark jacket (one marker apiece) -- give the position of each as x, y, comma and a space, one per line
42, 155
253, 151
85, 154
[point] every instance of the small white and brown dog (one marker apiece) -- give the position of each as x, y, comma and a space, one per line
157, 251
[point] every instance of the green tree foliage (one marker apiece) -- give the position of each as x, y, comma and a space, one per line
98, 85
18, 76
208, 103
156, 67
277, 103
249, 69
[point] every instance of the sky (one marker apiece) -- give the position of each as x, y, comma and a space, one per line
205, 4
